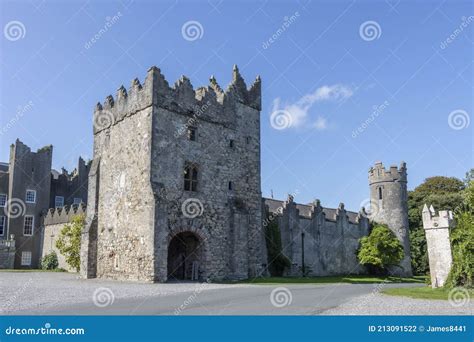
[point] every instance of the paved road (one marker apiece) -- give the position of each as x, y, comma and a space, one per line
64, 294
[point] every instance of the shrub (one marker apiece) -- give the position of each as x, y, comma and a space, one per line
69, 241
380, 250
50, 261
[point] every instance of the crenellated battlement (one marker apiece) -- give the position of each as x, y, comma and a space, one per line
64, 214
181, 97
310, 211
444, 219
378, 173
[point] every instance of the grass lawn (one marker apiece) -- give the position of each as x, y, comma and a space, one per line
422, 292
355, 279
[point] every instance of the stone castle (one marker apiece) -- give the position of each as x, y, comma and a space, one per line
174, 192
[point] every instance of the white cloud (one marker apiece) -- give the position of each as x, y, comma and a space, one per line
298, 111
321, 123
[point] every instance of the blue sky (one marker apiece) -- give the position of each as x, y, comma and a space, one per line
322, 71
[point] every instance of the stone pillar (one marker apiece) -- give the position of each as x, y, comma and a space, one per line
438, 243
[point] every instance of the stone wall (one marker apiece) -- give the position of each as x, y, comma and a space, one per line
53, 223
226, 149
437, 229
330, 241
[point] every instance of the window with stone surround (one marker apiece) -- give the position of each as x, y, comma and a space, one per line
25, 258
30, 196
3, 219
28, 225
190, 177
3, 200
58, 201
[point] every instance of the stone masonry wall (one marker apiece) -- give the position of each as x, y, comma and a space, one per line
331, 237
226, 149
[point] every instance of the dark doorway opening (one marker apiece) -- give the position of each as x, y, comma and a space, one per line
184, 257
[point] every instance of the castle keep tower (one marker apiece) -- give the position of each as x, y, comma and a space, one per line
174, 186
388, 205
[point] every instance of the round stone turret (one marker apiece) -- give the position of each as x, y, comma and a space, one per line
388, 205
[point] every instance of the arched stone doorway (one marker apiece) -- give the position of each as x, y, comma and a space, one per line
185, 255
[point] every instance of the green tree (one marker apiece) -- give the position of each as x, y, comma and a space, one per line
277, 261
380, 250
69, 241
444, 193
462, 243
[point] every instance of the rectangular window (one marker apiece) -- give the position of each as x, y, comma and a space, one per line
30, 196
2, 224
28, 225
191, 133
231, 143
190, 177
3, 200
25, 258
77, 200
58, 201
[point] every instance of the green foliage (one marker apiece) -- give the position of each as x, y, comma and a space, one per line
50, 261
69, 241
462, 243
277, 261
419, 251
444, 193
380, 249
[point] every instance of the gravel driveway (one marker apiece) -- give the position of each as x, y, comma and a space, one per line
49, 293
380, 304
